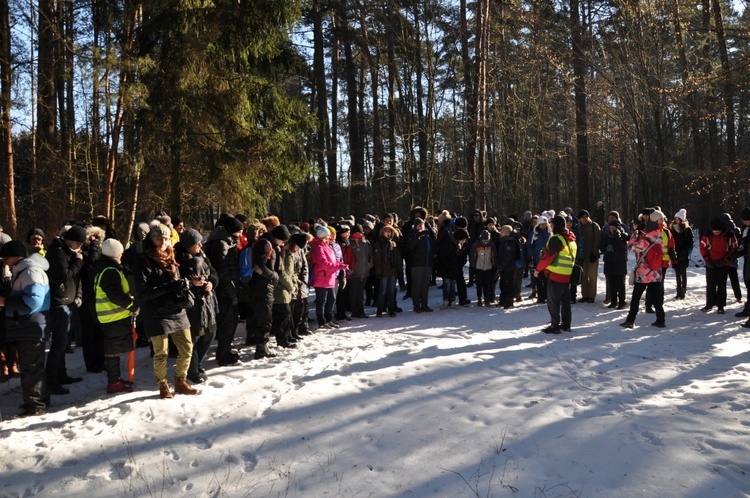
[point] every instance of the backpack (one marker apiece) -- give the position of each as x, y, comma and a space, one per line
245, 260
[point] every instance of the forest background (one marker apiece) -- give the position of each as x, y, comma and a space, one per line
316, 108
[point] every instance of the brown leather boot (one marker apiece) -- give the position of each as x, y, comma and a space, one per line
182, 387
164, 392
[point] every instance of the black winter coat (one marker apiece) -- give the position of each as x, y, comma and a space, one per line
157, 291
615, 250
508, 251
222, 251
451, 258
420, 246
64, 273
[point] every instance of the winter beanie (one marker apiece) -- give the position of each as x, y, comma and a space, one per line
716, 224
112, 248
681, 214
322, 232
656, 215
190, 237
13, 248
745, 214
76, 233
280, 232
160, 230
233, 225
484, 236
583, 213
558, 223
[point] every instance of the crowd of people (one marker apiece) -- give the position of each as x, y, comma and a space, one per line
179, 292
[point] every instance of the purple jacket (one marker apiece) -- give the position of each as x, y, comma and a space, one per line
324, 264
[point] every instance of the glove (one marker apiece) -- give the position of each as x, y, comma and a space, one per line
593, 258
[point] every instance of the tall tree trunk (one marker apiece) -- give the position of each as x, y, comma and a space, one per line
332, 146
579, 91
356, 156
6, 150
392, 73
54, 183
322, 133
726, 81
470, 105
114, 146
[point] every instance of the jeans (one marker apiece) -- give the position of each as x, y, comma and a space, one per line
387, 296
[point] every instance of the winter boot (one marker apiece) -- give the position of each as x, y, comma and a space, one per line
262, 351
164, 392
330, 322
444, 305
479, 302
182, 387
322, 323
119, 387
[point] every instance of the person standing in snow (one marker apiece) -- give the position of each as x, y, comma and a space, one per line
683, 246
647, 245
717, 248
26, 309
557, 263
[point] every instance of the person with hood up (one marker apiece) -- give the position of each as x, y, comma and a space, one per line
717, 248
221, 249
26, 322
114, 308
557, 263
388, 266
684, 240
483, 258
615, 250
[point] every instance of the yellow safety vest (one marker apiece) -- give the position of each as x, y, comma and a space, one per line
665, 245
106, 310
565, 259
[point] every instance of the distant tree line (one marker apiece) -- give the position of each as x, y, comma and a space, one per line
344, 106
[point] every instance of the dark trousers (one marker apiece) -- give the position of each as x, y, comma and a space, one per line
201, 345
33, 374
649, 298
616, 288
420, 285
735, 280
58, 324
261, 298
716, 287
680, 271
507, 286
342, 299
558, 303
483, 280
324, 300
226, 325
356, 288
92, 338
281, 326
299, 316
541, 287
654, 291
387, 296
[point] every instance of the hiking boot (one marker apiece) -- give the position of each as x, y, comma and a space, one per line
627, 325
182, 387
31, 411
164, 392
426, 309
444, 305
479, 302
659, 324
551, 329
262, 351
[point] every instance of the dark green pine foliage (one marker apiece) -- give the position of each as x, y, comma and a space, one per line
224, 121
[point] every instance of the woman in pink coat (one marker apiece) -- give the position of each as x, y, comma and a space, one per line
325, 267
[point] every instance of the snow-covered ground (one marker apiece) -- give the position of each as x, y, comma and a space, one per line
471, 402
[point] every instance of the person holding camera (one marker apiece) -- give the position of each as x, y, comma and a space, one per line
164, 297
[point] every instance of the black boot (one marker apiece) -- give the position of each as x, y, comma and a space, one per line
261, 351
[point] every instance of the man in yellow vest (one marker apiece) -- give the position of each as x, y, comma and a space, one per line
114, 310
557, 263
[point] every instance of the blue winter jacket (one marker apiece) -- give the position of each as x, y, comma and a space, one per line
29, 299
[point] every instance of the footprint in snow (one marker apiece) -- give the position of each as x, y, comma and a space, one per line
251, 461
203, 443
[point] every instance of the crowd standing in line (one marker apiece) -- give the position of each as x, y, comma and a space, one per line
178, 292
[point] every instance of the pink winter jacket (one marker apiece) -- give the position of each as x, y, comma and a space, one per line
649, 269
325, 266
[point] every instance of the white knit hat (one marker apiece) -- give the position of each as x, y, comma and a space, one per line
112, 248
681, 214
542, 219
